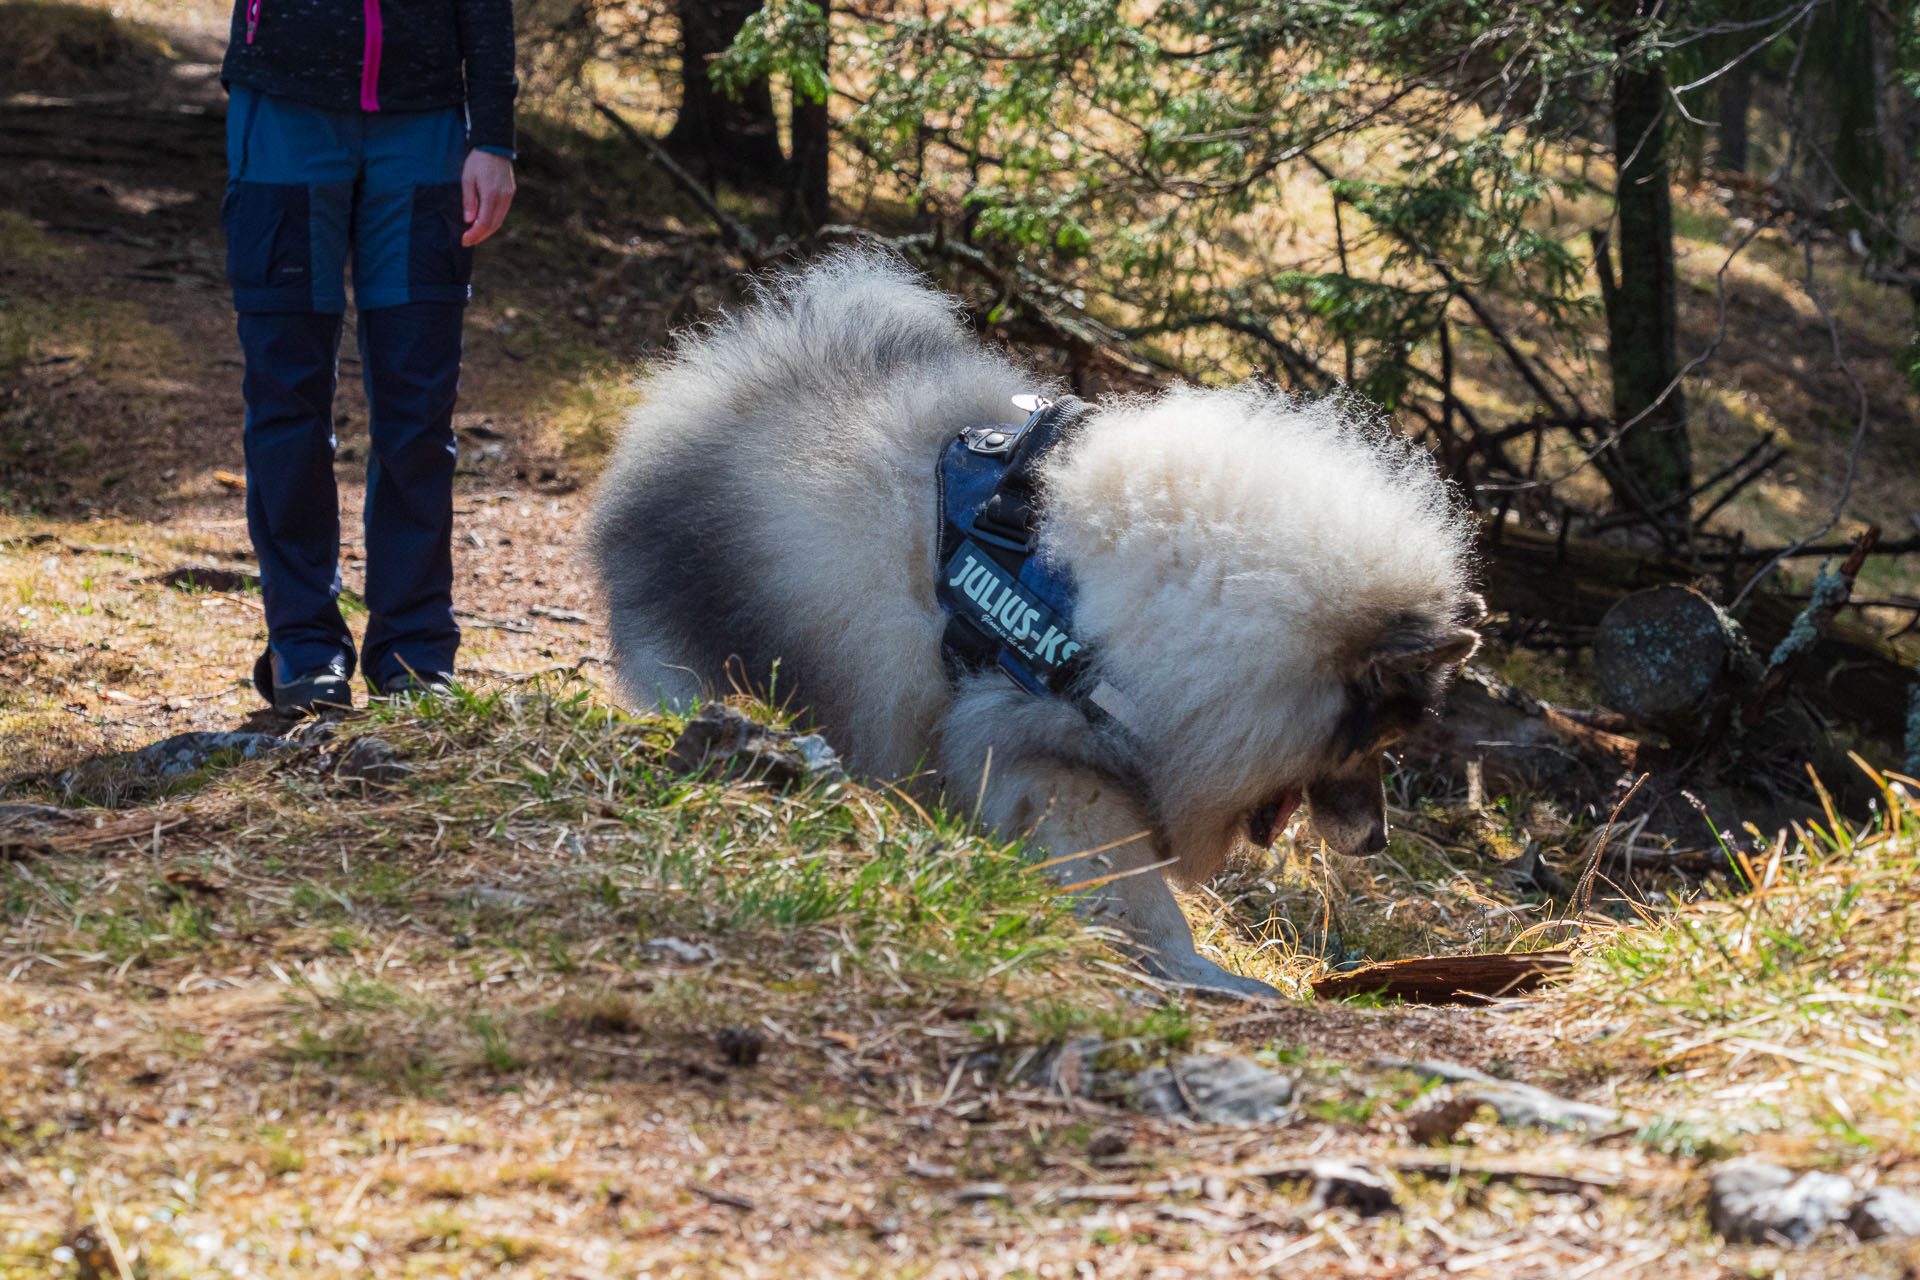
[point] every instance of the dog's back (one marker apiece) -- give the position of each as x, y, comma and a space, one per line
772, 500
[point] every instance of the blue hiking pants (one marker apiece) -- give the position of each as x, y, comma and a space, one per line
308, 187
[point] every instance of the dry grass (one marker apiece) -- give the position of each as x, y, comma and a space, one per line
1785, 1003
312, 1027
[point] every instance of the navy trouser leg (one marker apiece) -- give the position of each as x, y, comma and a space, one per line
411, 358
293, 512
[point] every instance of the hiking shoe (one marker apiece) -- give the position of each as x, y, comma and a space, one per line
322, 688
410, 684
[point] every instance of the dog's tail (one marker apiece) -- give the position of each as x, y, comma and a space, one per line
846, 322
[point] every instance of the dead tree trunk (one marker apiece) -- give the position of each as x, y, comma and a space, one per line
807, 194
1642, 345
1736, 98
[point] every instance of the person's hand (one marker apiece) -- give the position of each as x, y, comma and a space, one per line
486, 191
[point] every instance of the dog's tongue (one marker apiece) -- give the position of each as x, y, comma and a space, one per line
1265, 824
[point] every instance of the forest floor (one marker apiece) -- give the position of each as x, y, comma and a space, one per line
271, 1019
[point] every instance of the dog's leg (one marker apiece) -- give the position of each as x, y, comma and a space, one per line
1065, 809
648, 680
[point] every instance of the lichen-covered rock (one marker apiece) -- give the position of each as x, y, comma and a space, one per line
1212, 1090
1749, 1202
726, 741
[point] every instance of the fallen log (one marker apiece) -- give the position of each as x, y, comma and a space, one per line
1850, 671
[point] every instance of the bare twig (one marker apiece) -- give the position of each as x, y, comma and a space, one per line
1583, 891
1854, 447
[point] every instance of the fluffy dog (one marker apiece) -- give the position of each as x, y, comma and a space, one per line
1278, 588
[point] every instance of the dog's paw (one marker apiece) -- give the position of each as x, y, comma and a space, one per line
1200, 974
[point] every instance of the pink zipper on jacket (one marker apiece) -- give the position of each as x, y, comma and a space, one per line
370, 62
253, 18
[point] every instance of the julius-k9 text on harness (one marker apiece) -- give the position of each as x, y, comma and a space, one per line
1009, 604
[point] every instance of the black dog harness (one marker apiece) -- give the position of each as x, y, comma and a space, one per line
1009, 605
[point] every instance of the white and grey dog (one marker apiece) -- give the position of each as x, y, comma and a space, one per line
1277, 589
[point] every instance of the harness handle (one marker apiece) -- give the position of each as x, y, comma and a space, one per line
1010, 517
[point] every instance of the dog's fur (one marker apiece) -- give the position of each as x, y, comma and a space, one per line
1279, 587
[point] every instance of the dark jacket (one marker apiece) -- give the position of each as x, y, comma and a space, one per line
382, 55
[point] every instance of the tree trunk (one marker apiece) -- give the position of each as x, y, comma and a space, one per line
1655, 461
1736, 95
807, 193
721, 138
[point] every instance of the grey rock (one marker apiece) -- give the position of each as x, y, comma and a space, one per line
1212, 1090
372, 760
821, 760
1749, 1202
1885, 1212
1202, 1087
975, 1192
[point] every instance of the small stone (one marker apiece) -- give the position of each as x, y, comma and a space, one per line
1338, 1184
680, 951
1753, 1203
975, 1192
927, 1169
740, 1046
1885, 1212
1441, 1118
1106, 1144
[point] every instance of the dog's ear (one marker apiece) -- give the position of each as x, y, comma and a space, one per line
1410, 644
1472, 610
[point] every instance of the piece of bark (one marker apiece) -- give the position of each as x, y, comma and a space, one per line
1465, 979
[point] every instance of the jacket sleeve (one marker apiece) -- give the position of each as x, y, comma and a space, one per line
486, 46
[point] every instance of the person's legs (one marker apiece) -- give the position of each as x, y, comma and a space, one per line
286, 213
411, 357
410, 282
293, 512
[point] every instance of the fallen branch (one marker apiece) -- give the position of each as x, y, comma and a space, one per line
1830, 591
732, 230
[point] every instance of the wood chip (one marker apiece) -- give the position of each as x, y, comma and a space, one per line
731, 1199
